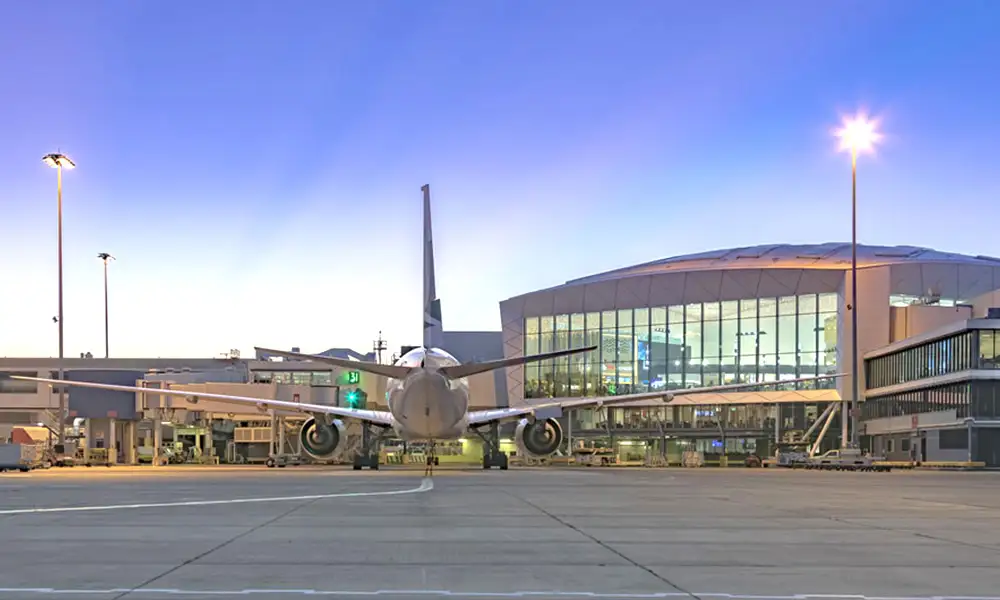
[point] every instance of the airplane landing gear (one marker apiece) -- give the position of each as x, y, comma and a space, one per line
368, 455
432, 460
492, 455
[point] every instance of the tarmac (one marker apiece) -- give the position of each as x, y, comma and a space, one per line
525, 533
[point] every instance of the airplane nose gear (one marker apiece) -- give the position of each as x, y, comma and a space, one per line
492, 455
432, 460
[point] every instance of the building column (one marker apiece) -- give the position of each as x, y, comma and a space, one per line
157, 437
112, 442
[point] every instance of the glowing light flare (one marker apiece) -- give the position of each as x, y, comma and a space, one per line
858, 134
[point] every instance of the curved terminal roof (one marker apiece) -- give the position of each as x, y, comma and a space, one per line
831, 255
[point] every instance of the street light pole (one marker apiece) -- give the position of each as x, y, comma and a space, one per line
105, 256
59, 161
856, 380
857, 135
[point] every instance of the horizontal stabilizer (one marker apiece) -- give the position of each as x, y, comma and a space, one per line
391, 371
459, 371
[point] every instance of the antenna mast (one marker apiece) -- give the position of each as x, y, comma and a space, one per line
378, 347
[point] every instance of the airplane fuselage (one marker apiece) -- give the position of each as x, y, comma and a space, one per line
426, 405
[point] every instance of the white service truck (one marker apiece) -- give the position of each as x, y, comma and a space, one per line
847, 459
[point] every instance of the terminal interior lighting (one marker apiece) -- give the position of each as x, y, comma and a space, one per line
58, 160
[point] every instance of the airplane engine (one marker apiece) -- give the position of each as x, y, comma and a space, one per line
321, 441
538, 439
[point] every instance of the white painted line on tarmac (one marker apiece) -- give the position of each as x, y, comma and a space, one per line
425, 486
455, 594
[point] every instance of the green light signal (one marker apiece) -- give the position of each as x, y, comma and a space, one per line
352, 398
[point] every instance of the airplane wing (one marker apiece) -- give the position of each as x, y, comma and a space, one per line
391, 371
499, 415
458, 371
376, 417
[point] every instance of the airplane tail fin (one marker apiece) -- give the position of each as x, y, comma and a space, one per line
433, 333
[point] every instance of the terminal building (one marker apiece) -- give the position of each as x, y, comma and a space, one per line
148, 427
747, 315
927, 336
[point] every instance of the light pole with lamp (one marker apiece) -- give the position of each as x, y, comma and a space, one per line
59, 162
856, 135
105, 257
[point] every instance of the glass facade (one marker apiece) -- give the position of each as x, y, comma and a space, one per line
976, 349
976, 399
684, 346
942, 397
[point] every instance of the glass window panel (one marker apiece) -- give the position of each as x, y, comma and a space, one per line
531, 325
547, 341
609, 320
560, 381
787, 365
787, 328
675, 314
562, 322
692, 372
692, 342
531, 344
576, 374
730, 337
768, 307
576, 322
692, 313
544, 378
593, 321
659, 315
710, 311
625, 317
532, 389
828, 342
828, 303
592, 338
728, 370
641, 316
767, 337
658, 358
987, 349
626, 353
711, 332
730, 309
807, 331
787, 306
562, 336
748, 349
807, 303
808, 363
711, 370
547, 324
748, 310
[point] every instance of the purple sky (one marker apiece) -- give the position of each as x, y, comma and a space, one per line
256, 166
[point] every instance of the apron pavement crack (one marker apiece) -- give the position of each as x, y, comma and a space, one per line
602, 544
218, 547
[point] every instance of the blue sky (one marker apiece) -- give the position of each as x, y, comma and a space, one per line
256, 166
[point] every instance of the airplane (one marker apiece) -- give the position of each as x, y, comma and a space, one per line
428, 395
